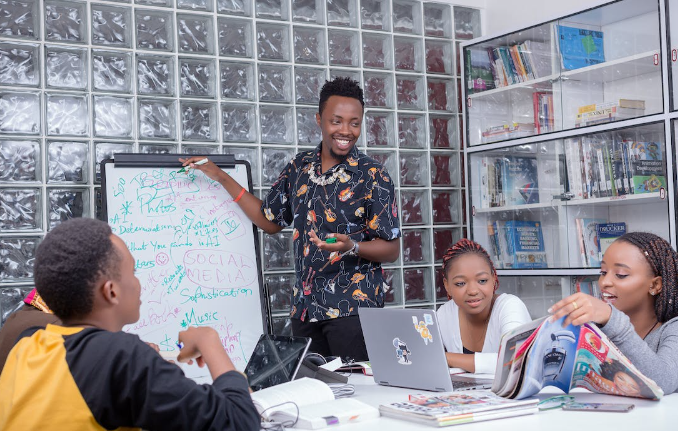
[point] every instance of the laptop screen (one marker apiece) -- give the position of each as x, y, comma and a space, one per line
275, 360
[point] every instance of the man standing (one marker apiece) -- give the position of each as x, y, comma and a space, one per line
342, 207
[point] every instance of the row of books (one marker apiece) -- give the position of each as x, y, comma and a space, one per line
543, 112
506, 65
501, 66
600, 113
586, 284
508, 180
606, 168
517, 244
594, 236
519, 63
502, 132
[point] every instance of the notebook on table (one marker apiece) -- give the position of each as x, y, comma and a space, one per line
406, 350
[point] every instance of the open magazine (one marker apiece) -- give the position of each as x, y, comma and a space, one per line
543, 353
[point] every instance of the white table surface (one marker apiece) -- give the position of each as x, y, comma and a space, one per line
646, 416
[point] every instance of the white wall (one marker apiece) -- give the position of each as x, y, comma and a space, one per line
503, 16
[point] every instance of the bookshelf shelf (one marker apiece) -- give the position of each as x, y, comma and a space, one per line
518, 208
614, 70
610, 176
529, 86
640, 199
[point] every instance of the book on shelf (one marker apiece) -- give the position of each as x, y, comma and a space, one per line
479, 71
620, 103
586, 284
580, 47
607, 234
506, 131
647, 167
542, 104
518, 243
607, 112
587, 229
458, 408
543, 353
508, 180
599, 168
519, 63
520, 178
311, 403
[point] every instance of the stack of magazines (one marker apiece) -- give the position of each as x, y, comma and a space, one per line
458, 408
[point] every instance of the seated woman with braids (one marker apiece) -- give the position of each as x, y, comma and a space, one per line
638, 311
472, 323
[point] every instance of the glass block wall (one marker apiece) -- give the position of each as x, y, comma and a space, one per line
81, 80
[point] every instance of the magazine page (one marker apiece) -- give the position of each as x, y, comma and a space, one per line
517, 368
601, 367
512, 343
550, 361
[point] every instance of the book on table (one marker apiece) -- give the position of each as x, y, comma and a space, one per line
543, 353
309, 404
457, 408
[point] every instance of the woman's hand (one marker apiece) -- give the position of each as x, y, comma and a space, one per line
581, 308
343, 244
210, 169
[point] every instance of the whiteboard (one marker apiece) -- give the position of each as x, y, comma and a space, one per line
196, 253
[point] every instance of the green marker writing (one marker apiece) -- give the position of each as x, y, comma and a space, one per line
331, 240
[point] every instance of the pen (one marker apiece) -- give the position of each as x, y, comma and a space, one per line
180, 345
199, 162
331, 240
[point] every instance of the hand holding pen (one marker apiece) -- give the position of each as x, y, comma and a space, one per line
192, 165
203, 164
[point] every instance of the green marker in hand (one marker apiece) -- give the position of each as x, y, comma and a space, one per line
186, 168
331, 240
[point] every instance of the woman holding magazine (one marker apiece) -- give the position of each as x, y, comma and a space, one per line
472, 323
639, 308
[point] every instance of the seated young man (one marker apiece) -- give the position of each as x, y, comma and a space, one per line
87, 374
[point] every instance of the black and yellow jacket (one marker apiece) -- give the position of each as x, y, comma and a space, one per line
67, 378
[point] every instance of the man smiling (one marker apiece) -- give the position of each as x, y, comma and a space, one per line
331, 193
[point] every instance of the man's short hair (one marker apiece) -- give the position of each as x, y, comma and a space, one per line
70, 261
340, 86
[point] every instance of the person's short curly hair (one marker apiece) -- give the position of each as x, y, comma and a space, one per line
68, 263
340, 86
611, 367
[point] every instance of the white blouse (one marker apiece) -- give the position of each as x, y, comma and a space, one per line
508, 313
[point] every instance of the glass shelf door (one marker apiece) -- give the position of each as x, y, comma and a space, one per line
544, 205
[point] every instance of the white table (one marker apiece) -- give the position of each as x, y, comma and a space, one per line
646, 416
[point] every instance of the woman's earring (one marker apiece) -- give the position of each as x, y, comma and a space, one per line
652, 292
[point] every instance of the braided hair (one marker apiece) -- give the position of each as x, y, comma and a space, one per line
462, 247
664, 263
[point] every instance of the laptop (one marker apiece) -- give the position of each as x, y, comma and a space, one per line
275, 360
406, 350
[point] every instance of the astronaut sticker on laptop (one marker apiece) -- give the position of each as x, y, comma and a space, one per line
402, 352
422, 327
